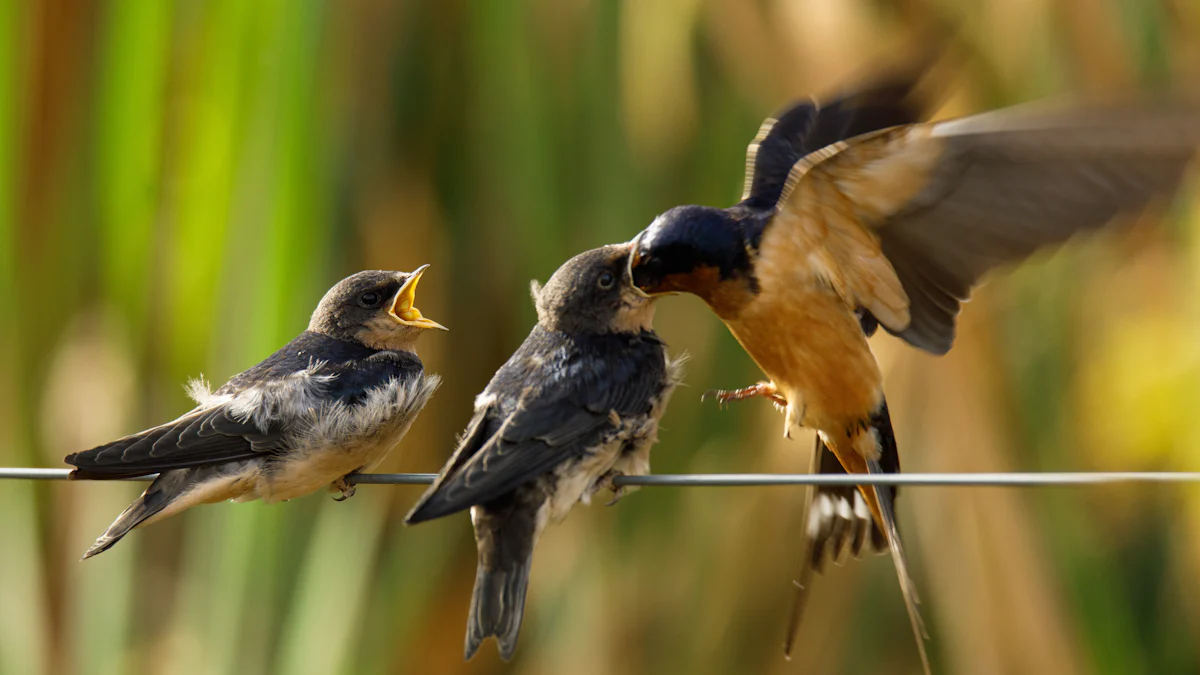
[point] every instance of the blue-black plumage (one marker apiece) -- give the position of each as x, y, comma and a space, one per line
576, 405
333, 401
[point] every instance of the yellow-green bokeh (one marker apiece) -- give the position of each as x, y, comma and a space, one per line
180, 182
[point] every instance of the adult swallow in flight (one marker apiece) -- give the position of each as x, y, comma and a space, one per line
575, 406
331, 402
854, 216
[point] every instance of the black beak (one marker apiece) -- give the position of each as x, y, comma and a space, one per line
645, 269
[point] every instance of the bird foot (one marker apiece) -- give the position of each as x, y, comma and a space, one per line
764, 389
608, 482
345, 487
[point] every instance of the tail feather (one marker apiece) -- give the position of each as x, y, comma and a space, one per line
497, 607
839, 522
802, 583
506, 531
885, 497
912, 601
162, 492
841, 519
854, 519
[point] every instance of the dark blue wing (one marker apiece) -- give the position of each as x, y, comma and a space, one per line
204, 437
554, 400
215, 435
807, 127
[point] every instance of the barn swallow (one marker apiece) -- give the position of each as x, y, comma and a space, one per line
331, 402
854, 217
575, 406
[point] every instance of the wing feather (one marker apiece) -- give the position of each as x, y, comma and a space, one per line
171, 446
221, 432
946, 202
576, 404
808, 126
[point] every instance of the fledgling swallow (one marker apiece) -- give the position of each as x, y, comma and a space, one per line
331, 402
575, 406
855, 216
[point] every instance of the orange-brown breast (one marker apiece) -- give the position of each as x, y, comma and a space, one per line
811, 346
802, 332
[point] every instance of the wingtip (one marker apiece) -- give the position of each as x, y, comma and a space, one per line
424, 511
96, 549
940, 347
419, 513
72, 460
935, 344
469, 650
433, 505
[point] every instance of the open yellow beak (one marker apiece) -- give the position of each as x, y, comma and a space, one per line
403, 310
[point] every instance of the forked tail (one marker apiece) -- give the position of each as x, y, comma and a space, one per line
844, 519
839, 524
505, 542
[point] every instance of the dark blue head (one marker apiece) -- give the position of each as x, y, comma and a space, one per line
693, 249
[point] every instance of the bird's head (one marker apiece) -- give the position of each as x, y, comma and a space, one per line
375, 308
591, 293
694, 249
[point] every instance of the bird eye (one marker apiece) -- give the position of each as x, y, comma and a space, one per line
606, 280
369, 299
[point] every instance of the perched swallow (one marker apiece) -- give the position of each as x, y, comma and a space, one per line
854, 216
331, 402
575, 406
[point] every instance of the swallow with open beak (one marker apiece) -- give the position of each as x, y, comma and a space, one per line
331, 402
575, 406
854, 216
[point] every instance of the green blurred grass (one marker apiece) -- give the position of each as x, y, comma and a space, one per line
179, 182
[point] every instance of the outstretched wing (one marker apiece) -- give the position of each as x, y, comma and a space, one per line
909, 219
809, 126
551, 402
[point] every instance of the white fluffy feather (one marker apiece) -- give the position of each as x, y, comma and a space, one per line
397, 398
297, 402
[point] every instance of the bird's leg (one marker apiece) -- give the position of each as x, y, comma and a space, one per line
346, 487
608, 482
764, 389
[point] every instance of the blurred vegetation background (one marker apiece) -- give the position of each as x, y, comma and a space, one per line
180, 182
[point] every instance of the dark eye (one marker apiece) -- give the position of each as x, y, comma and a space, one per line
606, 280
369, 299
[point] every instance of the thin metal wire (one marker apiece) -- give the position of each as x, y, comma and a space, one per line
1047, 479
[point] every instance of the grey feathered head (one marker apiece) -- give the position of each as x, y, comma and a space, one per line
591, 293
375, 307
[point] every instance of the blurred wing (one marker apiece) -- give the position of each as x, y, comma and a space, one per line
808, 126
577, 409
202, 437
911, 218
